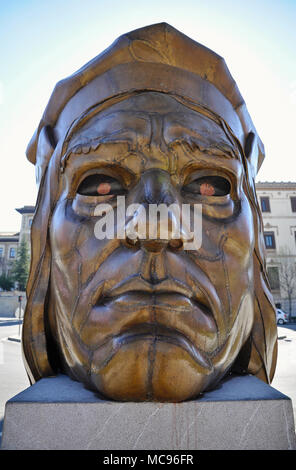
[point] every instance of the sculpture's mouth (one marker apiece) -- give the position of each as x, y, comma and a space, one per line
127, 300
169, 285
166, 312
168, 293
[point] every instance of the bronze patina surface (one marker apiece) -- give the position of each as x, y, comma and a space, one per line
157, 119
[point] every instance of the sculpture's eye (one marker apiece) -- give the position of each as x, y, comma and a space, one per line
100, 185
208, 186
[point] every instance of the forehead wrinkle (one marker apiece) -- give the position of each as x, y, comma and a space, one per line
194, 147
129, 135
194, 142
201, 139
85, 149
91, 132
139, 141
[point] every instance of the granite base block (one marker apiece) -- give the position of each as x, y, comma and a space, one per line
58, 413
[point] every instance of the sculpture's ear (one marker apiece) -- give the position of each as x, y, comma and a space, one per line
45, 148
254, 152
249, 144
40, 149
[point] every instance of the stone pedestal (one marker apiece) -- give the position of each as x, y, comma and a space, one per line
58, 413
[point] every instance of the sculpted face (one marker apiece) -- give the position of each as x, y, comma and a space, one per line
150, 320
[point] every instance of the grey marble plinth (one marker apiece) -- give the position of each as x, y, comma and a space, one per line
58, 413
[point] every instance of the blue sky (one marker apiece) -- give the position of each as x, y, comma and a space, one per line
42, 42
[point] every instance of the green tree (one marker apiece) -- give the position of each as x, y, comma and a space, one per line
20, 269
6, 282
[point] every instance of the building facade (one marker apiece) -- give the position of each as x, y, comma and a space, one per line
27, 213
8, 251
9, 242
278, 205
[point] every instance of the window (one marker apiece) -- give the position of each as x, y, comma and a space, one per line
30, 222
269, 240
12, 253
265, 206
293, 204
2, 250
274, 278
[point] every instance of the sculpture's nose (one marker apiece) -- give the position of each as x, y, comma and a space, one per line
157, 222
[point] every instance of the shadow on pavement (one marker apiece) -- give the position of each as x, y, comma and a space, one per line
10, 323
289, 326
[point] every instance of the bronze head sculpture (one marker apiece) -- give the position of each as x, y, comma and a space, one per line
156, 118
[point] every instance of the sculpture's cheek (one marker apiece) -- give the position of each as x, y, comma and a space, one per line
238, 261
239, 333
240, 235
64, 229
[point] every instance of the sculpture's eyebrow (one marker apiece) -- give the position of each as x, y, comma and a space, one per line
191, 144
93, 144
85, 147
203, 141
84, 143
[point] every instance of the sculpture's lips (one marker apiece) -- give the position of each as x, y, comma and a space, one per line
169, 304
173, 315
179, 303
156, 332
167, 286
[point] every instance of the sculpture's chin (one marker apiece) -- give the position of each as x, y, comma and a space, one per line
150, 370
